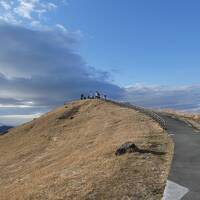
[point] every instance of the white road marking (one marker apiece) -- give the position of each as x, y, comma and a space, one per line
174, 191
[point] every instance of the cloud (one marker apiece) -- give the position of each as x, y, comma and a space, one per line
5, 5
18, 119
50, 6
9, 18
26, 8
42, 67
25, 11
185, 98
62, 28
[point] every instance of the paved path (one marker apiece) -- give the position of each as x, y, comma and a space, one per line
185, 170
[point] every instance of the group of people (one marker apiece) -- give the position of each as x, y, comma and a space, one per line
96, 95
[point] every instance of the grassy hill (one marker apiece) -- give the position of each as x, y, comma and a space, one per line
69, 153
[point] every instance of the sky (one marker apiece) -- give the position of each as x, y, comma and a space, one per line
144, 52
143, 41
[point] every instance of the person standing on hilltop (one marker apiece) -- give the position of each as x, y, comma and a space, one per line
82, 96
97, 95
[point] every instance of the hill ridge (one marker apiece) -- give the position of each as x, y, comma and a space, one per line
69, 153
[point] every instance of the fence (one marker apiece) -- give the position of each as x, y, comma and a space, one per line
146, 111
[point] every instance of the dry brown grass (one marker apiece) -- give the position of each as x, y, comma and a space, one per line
192, 119
69, 153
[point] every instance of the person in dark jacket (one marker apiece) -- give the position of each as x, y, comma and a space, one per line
82, 96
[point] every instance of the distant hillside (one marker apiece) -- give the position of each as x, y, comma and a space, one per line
4, 129
192, 119
69, 153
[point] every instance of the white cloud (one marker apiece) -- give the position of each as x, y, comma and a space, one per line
9, 18
62, 28
26, 8
14, 106
50, 6
25, 11
157, 96
44, 69
33, 14
18, 119
5, 5
35, 23
23, 116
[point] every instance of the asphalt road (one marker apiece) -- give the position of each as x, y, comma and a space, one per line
185, 169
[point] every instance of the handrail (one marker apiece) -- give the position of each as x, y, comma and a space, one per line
146, 111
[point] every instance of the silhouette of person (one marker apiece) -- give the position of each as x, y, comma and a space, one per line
97, 95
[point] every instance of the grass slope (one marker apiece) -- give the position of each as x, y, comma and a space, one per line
69, 153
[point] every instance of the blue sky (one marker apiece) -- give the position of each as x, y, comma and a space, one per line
144, 52
155, 42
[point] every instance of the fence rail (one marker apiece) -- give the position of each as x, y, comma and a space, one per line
146, 111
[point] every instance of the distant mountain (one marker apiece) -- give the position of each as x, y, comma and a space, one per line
4, 129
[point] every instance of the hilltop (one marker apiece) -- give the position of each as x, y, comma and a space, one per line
69, 153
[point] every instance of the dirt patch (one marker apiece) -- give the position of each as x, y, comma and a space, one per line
69, 113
